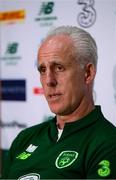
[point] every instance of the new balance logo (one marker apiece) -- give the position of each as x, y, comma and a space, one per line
31, 148
24, 155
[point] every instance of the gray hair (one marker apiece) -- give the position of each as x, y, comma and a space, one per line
85, 47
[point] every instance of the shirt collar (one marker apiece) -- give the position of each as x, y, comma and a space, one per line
84, 122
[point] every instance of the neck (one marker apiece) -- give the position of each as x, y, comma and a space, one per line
79, 113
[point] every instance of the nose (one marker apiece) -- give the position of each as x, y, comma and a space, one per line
51, 80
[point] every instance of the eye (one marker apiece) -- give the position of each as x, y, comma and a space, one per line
59, 68
42, 70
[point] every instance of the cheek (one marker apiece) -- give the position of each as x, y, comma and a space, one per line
70, 90
75, 86
43, 85
42, 81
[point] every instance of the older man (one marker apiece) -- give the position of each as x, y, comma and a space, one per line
78, 143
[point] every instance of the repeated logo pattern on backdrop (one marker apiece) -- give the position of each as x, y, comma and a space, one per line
12, 16
23, 26
114, 82
13, 90
87, 17
11, 56
45, 15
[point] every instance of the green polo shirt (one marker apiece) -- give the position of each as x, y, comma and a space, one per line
85, 150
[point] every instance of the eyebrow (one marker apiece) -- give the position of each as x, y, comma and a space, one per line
53, 63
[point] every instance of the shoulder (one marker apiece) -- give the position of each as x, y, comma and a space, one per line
30, 131
106, 128
102, 142
103, 136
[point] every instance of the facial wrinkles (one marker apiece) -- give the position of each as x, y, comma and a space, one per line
56, 50
59, 50
58, 45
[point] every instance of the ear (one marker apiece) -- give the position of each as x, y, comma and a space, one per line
90, 72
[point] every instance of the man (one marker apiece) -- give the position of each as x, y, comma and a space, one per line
78, 143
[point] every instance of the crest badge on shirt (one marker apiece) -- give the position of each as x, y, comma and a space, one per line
31, 176
66, 158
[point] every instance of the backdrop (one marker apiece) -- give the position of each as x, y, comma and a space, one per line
23, 25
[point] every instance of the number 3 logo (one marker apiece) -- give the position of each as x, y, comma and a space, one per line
105, 168
88, 15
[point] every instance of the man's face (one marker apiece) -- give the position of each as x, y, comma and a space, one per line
62, 78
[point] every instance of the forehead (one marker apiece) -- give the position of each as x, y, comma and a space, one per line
56, 44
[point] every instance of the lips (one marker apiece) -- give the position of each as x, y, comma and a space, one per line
54, 96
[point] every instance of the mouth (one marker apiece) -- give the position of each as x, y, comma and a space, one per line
54, 96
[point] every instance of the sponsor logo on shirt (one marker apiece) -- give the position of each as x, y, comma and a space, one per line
104, 169
23, 156
31, 176
66, 158
26, 154
31, 148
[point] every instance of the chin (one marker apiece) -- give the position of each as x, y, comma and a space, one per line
56, 111
60, 111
